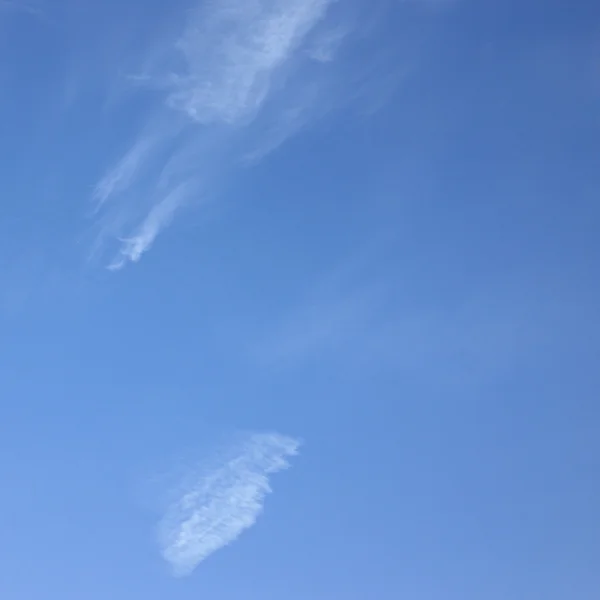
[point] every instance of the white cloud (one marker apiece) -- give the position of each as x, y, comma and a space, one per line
215, 507
212, 83
241, 78
161, 214
231, 53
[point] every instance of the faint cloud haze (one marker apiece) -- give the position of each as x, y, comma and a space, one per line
15, 5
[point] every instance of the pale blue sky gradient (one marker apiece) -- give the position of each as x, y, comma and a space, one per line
308, 287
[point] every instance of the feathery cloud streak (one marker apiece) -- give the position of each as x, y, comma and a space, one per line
245, 43
223, 501
213, 82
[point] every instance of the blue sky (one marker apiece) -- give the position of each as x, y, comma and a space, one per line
299, 299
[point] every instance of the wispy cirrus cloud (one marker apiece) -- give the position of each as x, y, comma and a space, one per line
123, 174
159, 216
232, 54
221, 501
232, 60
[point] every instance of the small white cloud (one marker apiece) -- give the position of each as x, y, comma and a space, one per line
222, 501
159, 217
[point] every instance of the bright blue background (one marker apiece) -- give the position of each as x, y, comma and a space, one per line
411, 290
